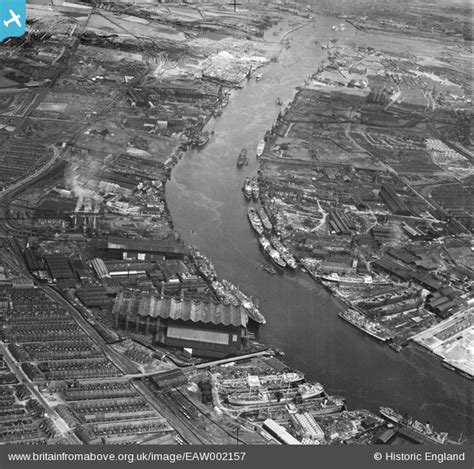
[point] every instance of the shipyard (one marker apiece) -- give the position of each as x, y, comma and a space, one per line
236, 227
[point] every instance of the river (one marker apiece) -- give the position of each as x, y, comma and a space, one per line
208, 209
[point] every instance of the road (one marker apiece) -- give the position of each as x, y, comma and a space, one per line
125, 365
23, 378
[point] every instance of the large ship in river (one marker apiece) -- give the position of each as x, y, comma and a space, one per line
365, 324
247, 303
277, 380
262, 396
267, 396
267, 224
316, 407
224, 295
272, 253
352, 279
255, 220
204, 265
423, 431
284, 252
242, 158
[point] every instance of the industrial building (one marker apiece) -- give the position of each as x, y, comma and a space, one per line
144, 249
206, 328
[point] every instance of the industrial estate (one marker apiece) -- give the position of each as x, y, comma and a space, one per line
113, 329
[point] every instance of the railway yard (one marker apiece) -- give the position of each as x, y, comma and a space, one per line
112, 329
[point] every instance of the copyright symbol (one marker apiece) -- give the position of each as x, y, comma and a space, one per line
378, 456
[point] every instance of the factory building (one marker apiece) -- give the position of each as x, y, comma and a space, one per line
144, 249
393, 201
204, 328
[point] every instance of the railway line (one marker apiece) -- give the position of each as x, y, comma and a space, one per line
232, 434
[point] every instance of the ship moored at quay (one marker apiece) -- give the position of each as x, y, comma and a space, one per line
415, 430
360, 321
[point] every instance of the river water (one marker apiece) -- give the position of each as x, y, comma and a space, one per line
208, 210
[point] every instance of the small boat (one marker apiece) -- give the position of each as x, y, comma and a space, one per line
269, 269
260, 148
278, 102
225, 101
255, 220
267, 136
242, 159
255, 189
258, 76
398, 348
203, 139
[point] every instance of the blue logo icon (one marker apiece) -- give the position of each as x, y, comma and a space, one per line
12, 18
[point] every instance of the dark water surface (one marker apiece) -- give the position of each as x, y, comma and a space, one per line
204, 197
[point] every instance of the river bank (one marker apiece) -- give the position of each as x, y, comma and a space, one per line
204, 198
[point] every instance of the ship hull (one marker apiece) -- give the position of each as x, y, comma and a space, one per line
260, 148
242, 158
367, 331
255, 221
269, 399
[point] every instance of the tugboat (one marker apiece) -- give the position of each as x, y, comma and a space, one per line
242, 159
203, 139
255, 189
269, 269
260, 148
247, 189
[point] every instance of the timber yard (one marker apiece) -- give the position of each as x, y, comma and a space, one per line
175, 178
